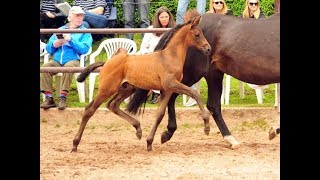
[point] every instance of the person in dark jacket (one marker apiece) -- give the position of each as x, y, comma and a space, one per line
50, 16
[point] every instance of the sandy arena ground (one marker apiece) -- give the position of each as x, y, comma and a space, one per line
109, 148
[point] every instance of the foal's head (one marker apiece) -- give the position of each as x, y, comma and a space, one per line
195, 37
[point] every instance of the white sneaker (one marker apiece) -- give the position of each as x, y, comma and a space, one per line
191, 102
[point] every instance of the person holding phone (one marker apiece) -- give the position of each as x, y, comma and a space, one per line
66, 49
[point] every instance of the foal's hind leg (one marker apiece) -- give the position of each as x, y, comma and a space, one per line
125, 91
164, 98
88, 113
273, 132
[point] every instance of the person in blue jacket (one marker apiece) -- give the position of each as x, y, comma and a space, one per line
66, 50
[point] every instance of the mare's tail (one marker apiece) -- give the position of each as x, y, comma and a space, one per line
86, 71
139, 98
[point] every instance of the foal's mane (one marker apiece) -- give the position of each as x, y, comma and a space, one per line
164, 40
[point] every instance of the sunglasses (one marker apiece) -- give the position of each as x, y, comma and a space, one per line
251, 4
218, 2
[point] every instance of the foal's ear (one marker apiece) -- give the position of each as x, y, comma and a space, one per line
195, 21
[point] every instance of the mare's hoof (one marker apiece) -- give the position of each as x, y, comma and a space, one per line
73, 150
165, 137
272, 133
234, 143
207, 130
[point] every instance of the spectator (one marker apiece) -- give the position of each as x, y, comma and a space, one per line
50, 16
181, 9
128, 12
94, 13
252, 10
162, 18
219, 7
66, 52
183, 5
111, 13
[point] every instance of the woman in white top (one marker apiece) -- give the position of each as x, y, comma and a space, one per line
161, 19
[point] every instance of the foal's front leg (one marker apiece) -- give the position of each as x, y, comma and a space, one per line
164, 98
180, 88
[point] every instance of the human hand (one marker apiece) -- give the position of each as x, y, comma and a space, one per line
49, 14
58, 42
67, 37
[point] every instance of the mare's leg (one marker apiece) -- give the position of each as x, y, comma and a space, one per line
164, 98
214, 80
125, 91
180, 88
88, 113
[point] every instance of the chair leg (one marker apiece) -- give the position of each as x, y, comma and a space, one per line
223, 92
81, 89
277, 96
227, 91
184, 99
259, 93
92, 78
241, 89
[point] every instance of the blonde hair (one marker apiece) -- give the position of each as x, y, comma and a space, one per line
223, 10
247, 12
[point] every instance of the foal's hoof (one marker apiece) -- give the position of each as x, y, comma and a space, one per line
272, 133
149, 148
139, 135
165, 137
73, 150
207, 130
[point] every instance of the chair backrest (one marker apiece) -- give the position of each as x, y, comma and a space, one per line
111, 45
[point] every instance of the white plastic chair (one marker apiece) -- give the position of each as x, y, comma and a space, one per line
259, 91
110, 46
80, 86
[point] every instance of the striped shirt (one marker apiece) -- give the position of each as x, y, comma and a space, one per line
90, 4
48, 5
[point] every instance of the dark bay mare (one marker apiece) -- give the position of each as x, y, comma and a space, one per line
162, 70
247, 49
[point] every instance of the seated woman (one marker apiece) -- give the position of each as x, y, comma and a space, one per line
161, 19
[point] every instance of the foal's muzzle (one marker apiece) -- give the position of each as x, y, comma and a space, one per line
206, 49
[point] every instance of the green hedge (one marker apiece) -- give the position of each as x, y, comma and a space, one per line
236, 6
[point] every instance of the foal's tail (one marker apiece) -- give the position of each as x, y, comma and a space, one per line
86, 71
139, 98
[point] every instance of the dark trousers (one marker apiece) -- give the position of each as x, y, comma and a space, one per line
46, 22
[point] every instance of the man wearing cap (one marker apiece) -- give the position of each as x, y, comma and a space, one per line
66, 50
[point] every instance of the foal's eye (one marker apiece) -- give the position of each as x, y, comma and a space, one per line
196, 35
